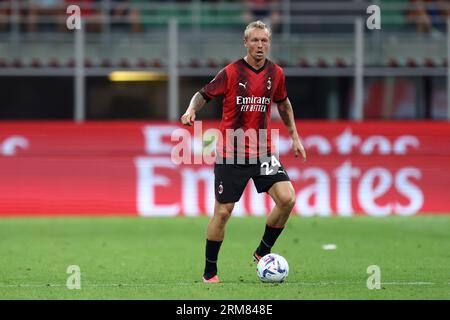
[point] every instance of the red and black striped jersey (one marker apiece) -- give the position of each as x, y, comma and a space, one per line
248, 94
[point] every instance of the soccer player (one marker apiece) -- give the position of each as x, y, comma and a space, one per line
249, 86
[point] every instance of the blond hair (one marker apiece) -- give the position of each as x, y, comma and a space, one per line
257, 25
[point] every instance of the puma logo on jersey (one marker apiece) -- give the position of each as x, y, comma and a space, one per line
243, 85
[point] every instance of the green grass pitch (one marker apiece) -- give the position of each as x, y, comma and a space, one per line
163, 258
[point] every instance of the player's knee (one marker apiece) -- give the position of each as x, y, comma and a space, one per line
287, 202
223, 213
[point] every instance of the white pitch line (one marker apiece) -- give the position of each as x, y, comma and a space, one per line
109, 285
410, 283
336, 283
96, 285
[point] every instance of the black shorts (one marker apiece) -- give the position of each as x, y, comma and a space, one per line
230, 180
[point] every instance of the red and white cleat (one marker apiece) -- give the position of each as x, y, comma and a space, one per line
214, 279
256, 257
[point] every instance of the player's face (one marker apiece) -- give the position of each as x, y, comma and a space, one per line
257, 44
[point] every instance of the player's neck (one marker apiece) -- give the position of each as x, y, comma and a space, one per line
254, 63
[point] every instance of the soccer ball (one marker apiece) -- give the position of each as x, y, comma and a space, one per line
272, 268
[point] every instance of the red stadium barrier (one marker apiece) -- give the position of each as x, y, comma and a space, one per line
107, 168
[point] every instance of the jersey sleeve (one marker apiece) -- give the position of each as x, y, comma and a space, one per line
280, 92
216, 87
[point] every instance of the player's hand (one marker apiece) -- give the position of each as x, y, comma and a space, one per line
188, 118
299, 149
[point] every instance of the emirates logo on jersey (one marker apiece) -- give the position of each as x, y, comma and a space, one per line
253, 104
252, 100
269, 84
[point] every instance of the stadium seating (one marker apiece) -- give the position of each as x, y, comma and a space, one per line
210, 36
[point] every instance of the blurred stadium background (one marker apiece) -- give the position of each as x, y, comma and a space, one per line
317, 42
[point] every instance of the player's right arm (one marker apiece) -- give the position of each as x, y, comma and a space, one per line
197, 102
213, 89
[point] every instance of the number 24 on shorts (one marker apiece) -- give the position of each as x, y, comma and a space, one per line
272, 168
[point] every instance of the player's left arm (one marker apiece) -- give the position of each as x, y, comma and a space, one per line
287, 115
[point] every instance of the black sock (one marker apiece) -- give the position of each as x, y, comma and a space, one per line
212, 251
268, 240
